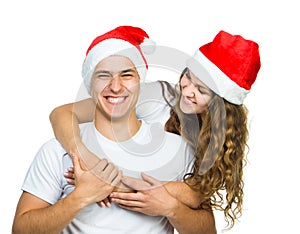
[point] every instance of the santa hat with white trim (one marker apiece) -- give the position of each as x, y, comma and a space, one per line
228, 65
128, 41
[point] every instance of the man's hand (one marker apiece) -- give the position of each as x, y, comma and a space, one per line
98, 182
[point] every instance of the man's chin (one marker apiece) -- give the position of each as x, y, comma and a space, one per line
119, 116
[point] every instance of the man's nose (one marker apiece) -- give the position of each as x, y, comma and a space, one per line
116, 84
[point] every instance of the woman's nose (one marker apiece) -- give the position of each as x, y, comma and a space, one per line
187, 88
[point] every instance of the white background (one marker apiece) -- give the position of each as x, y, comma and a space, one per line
42, 47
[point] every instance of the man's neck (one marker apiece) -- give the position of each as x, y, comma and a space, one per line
117, 129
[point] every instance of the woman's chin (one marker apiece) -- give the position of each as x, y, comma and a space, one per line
187, 109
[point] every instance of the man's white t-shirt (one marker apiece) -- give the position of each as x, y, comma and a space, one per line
165, 156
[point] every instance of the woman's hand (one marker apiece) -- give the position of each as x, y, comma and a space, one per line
151, 198
69, 175
120, 187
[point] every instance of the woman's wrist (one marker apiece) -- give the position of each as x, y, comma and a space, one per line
171, 211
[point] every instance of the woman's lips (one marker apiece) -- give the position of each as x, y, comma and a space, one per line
188, 101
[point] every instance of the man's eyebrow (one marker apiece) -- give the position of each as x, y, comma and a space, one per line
127, 70
102, 71
109, 73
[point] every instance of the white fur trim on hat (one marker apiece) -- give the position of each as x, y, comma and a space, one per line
107, 48
215, 79
148, 46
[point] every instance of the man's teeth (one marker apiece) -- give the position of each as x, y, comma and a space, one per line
116, 100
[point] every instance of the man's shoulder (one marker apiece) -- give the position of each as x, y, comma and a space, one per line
157, 131
85, 127
53, 146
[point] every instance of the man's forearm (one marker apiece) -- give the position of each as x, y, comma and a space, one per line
51, 219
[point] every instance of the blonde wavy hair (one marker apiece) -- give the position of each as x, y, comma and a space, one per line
219, 137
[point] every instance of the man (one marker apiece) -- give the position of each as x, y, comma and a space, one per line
112, 70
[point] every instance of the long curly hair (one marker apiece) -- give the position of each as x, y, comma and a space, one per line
219, 137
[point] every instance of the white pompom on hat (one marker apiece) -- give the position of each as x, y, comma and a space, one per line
228, 65
128, 41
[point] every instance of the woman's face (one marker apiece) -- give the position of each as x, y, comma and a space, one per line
195, 95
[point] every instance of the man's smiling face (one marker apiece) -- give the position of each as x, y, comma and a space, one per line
115, 87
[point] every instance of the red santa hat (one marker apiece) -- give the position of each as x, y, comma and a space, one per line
228, 65
128, 41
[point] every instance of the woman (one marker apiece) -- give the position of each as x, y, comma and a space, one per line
211, 92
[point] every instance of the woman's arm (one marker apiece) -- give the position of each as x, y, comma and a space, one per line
189, 221
185, 194
156, 199
65, 121
186, 216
